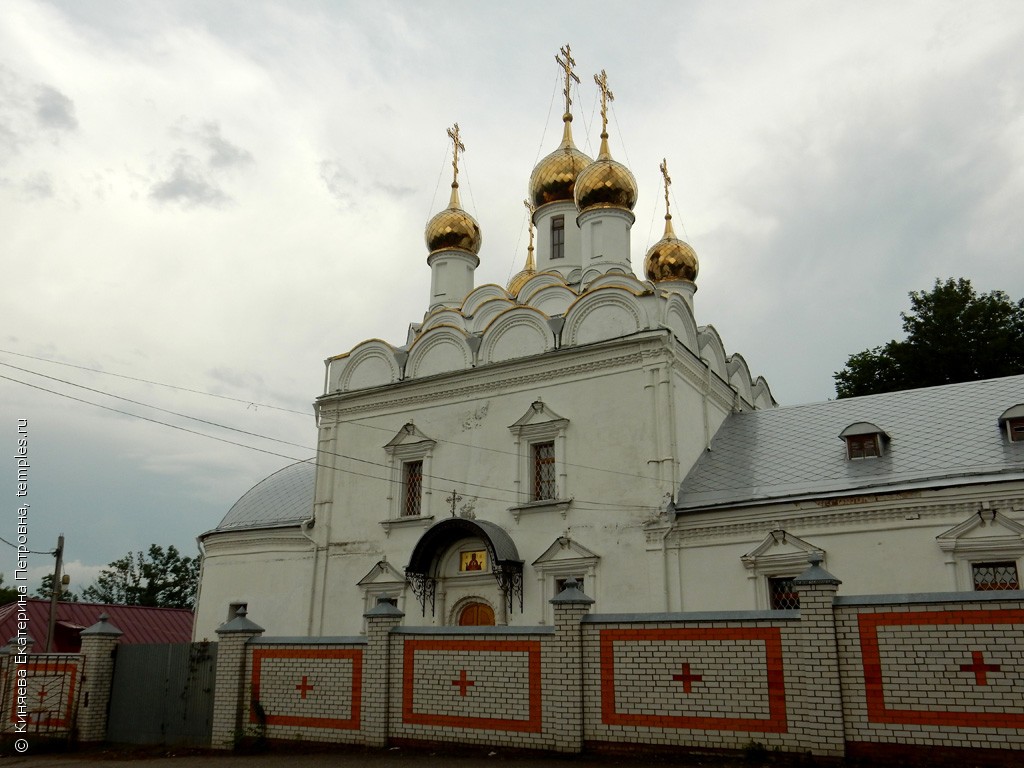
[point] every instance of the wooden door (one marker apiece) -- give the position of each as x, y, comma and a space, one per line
477, 615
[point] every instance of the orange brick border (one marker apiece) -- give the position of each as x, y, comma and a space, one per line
63, 669
878, 712
771, 637
531, 647
352, 722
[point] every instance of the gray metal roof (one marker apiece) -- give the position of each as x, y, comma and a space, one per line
939, 436
284, 498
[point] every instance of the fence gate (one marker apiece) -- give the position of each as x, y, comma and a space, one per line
163, 694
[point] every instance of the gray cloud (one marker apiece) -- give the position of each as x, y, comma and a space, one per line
55, 110
39, 186
189, 184
223, 154
339, 182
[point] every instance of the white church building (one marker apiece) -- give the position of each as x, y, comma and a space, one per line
581, 422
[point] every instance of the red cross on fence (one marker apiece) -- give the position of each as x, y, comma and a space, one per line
304, 687
979, 668
687, 679
463, 683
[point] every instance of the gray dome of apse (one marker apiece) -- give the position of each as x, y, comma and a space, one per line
284, 498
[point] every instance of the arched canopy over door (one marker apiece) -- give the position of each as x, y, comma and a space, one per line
507, 566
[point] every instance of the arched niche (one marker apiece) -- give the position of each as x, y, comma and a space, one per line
515, 333
439, 350
712, 351
487, 311
370, 364
762, 394
445, 316
551, 299
739, 375
605, 313
481, 294
678, 317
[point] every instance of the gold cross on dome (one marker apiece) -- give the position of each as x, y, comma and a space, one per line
453, 134
567, 64
606, 96
668, 181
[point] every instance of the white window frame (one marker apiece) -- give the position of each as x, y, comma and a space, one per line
407, 446
539, 424
963, 545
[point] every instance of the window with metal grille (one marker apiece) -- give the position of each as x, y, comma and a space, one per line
557, 237
412, 481
862, 446
543, 471
993, 576
782, 594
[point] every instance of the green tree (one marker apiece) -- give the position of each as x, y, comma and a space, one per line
7, 594
953, 334
160, 578
46, 589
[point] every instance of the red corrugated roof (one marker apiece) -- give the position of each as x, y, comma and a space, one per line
139, 624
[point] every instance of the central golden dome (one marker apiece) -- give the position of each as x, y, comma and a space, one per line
453, 229
605, 183
554, 178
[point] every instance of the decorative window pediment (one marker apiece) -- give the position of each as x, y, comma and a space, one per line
541, 477
383, 580
987, 532
410, 453
565, 559
864, 440
987, 540
774, 563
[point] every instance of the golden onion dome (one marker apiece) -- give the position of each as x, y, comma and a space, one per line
453, 228
670, 258
554, 177
515, 285
605, 183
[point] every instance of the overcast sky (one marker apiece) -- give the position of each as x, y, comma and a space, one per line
219, 195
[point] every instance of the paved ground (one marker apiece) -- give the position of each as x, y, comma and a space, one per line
351, 758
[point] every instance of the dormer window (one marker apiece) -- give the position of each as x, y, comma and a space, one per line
1012, 421
864, 440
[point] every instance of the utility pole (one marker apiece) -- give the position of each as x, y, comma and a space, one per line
55, 591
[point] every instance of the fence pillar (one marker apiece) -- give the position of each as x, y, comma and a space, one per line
229, 701
563, 669
818, 703
380, 620
98, 645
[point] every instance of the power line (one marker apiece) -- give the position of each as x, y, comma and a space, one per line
27, 551
510, 499
250, 403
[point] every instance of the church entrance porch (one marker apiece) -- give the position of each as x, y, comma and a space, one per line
461, 563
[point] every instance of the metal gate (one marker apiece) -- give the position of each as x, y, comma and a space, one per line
163, 694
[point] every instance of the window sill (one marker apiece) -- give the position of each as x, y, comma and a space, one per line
546, 505
410, 521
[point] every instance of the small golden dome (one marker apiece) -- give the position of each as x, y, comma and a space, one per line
554, 178
670, 258
515, 285
605, 183
453, 229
